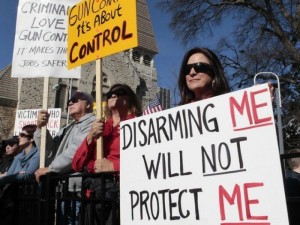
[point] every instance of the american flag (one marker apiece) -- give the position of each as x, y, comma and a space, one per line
153, 107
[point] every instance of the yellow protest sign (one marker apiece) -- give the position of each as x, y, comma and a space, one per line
97, 28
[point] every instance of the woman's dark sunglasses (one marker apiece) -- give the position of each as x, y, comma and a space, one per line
24, 135
118, 92
199, 67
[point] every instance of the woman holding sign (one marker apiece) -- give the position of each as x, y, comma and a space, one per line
122, 104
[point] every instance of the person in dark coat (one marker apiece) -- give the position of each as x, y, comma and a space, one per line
292, 176
11, 148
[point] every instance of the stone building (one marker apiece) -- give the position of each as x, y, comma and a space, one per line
8, 102
134, 67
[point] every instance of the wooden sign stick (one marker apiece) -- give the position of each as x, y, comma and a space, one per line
44, 129
99, 103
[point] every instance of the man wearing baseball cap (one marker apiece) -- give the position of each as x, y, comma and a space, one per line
61, 149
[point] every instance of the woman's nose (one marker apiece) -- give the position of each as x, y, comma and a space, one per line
192, 72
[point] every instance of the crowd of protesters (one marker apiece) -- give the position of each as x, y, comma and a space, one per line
73, 149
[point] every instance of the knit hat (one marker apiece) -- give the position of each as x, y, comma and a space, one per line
82, 96
10, 141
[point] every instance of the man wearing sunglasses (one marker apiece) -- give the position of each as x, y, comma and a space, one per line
61, 149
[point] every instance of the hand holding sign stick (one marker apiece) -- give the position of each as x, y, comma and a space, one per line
98, 103
101, 164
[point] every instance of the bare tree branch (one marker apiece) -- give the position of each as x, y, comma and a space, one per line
266, 37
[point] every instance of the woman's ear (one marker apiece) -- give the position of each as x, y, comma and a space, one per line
213, 83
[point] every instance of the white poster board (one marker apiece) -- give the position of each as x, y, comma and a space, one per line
212, 162
29, 116
40, 48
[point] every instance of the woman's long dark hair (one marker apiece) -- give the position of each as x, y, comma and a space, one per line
133, 102
220, 82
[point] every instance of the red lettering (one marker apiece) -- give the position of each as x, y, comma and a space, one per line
52, 124
235, 198
247, 223
252, 201
234, 104
256, 106
24, 123
231, 199
251, 110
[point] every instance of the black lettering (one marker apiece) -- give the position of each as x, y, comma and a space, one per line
133, 205
151, 169
144, 196
115, 34
151, 132
127, 132
197, 121
124, 35
195, 191
170, 167
73, 60
228, 156
185, 125
174, 124
142, 122
213, 120
237, 141
172, 204
106, 34
182, 173
161, 127
212, 162
154, 196
180, 205
163, 193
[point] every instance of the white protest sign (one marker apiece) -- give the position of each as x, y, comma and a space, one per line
29, 116
212, 162
40, 48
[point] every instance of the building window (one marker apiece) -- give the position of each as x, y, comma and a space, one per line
147, 60
136, 56
105, 79
105, 83
62, 97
